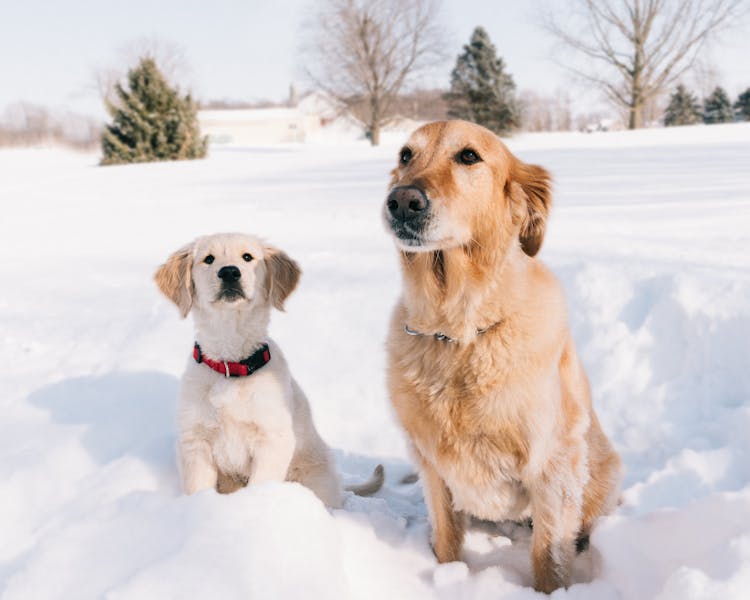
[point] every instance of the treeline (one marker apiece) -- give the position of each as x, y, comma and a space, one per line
483, 91
27, 124
685, 109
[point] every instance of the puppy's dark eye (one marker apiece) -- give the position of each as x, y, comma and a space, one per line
467, 156
247, 257
405, 156
209, 259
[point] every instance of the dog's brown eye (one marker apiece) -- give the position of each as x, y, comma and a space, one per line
209, 259
247, 257
405, 156
467, 156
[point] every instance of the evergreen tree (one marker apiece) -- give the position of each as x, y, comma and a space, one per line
683, 109
717, 108
151, 121
742, 106
481, 90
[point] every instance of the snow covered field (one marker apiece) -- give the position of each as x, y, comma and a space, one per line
650, 235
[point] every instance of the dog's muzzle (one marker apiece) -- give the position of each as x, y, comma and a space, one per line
408, 210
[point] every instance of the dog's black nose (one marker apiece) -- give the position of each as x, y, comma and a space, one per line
407, 202
229, 274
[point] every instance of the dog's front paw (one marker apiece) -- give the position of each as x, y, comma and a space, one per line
552, 567
446, 550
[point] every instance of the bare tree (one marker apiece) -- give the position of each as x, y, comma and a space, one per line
705, 77
543, 112
363, 52
637, 49
169, 56
422, 104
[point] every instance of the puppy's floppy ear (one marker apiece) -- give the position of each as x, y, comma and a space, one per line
529, 187
175, 279
282, 275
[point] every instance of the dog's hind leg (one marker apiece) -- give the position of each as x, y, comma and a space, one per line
600, 496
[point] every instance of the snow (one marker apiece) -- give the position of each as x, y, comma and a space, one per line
649, 236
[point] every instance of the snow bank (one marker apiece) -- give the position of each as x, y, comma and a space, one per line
697, 135
649, 236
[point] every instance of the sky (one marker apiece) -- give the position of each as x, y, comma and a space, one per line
248, 50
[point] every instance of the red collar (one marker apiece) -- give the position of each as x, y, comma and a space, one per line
245, 367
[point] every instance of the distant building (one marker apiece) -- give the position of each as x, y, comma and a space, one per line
315, 115
249, 126
256, 125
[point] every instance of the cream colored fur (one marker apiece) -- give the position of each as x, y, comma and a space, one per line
241, 430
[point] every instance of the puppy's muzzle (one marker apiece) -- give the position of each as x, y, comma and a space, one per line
230, 274
231, 288
408, 208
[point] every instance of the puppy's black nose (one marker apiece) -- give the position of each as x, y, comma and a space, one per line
229, 274
407, 202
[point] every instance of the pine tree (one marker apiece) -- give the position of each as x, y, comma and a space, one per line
717, 108
742, 106
683, 109
151, 121
481, 90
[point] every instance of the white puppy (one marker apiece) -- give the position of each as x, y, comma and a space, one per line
242, 417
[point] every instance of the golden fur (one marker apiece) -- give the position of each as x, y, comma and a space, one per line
500, 421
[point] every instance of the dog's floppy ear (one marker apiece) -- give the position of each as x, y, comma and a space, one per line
529, 187
282, 275
175, 280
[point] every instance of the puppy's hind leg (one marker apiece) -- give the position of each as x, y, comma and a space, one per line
321, 478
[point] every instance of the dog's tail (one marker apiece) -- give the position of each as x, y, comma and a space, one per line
372, 485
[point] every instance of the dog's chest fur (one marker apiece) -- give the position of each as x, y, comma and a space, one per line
463, 414
234, 414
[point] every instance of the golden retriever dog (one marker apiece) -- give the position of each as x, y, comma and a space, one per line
242, 418
483, 372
